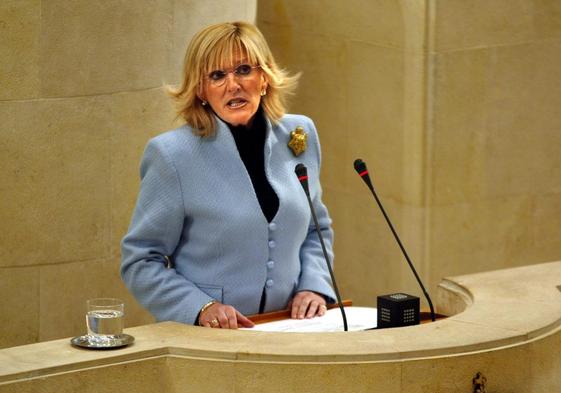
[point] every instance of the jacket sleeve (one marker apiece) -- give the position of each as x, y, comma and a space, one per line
154, 233
314, 274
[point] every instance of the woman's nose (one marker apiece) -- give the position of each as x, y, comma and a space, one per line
232, 82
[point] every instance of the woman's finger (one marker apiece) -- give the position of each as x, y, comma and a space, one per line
312, 309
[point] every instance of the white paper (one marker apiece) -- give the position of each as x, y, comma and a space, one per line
358, 318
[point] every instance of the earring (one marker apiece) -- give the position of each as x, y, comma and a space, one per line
263, 92
203, 102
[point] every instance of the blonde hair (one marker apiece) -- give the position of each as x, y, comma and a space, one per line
213, 48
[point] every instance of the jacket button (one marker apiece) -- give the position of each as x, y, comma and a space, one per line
272, 244
272, 226
269, 283
270, 264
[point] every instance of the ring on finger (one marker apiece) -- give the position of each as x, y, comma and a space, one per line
323, 307
214, 323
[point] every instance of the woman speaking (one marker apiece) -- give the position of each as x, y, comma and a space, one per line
219, 197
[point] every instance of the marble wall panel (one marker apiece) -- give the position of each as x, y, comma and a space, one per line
338, 19
458, 134
375, 117
506, 371
19, 308
201, 375
463, 24
482, 236
545, 364
546, 241
19, 40
495, 128
521, 153
55, 181
141, 376
92, 48
192, 15
64, 289
136, 117
335, 378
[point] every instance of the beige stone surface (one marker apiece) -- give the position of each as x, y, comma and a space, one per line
545, 364
490, 141
202, 375
436, 357
477, 23
507, 370
19, 308
141, 376
141, 116
318, 378
375, 130
474, 237
55, 181
63, 315
338, 19
19, 40
188, 16
89, 48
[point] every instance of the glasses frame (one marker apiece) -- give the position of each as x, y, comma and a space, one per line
222, 82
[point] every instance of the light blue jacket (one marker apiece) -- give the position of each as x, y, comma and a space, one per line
198, 206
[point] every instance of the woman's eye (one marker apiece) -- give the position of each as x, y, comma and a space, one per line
217, 75
243, 69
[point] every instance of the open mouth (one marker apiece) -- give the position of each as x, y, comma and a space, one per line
236, 103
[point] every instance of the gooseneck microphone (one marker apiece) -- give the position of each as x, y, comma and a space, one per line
360, 168
302, 173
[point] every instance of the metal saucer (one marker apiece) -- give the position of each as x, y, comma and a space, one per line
86, 341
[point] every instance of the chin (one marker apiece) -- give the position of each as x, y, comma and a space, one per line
238, 120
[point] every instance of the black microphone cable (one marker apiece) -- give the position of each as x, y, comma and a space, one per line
302, 173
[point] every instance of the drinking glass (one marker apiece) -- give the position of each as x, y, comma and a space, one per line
105, 319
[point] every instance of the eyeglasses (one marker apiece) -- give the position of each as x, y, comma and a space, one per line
217, 78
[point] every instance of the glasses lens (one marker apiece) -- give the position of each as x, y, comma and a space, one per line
243, 70
217, 77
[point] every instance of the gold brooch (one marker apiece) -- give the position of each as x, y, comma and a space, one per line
298, 139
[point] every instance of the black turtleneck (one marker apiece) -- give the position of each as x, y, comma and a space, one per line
250, 142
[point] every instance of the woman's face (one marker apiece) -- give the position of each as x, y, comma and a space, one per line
234, 93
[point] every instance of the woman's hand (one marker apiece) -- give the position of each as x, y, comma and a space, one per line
220, 315
307, 304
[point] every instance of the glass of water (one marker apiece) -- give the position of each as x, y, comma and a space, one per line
105, 319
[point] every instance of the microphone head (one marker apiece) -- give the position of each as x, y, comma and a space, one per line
302, 174
301, 170
360, 166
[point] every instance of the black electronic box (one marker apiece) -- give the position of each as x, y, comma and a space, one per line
398, 309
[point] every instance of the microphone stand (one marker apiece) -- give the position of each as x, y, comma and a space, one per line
302, 173
360, 167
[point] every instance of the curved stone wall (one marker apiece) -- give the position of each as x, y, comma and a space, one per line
509, 330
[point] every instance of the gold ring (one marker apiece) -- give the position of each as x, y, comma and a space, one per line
323, 306
214, 323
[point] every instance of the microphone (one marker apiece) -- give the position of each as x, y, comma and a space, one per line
302, 173
360, 168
